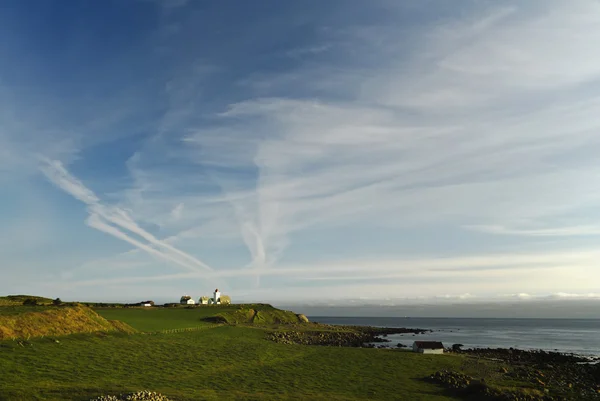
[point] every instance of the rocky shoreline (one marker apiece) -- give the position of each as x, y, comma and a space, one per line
339, 336
552, 375
515, 355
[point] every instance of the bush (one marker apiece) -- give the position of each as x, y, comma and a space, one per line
30, 302
57, 302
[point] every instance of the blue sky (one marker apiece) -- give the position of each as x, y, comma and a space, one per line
293, 151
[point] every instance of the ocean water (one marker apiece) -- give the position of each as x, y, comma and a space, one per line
579, 336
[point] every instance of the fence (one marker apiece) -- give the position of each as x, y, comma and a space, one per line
196, 328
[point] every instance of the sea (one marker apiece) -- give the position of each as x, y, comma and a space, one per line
577, 336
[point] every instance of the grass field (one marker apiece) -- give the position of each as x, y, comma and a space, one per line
158, 319
212, 362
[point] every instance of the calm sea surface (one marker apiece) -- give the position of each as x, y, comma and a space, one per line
580, 336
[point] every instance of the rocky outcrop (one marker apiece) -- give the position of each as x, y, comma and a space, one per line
137, 396
468, 387
336, 339
524, 356
553, 375
338, 336
302, 318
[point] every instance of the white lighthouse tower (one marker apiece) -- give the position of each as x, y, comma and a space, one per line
217, 297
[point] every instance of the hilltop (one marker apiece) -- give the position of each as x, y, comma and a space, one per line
13, 300
257, 314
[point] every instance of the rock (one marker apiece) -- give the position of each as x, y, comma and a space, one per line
344, 336
144, 395
302, 318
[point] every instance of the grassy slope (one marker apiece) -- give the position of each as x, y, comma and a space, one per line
57, 321
157, 319
225, 362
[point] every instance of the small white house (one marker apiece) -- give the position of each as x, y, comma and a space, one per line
428, 347
203, 300
147, 305
187, 300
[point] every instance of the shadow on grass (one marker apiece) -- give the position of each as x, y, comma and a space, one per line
475, 391
445, 391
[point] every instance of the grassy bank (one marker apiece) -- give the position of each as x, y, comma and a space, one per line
157, 319
24, 322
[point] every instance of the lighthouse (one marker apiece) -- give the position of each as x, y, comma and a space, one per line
217, 297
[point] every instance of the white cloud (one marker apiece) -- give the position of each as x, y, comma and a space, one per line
540, 232
177, 211
565, 295
102, 216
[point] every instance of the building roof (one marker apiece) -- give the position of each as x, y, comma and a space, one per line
429, 344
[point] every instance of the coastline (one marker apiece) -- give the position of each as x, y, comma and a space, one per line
568, 336
547, 375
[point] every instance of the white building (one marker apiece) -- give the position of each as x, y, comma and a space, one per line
428, 347
187, 300
216, 299
203, 301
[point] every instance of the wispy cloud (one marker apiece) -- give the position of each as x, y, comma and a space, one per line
540, 232
306, 51
101, 217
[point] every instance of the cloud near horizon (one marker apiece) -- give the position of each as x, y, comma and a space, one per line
368, 149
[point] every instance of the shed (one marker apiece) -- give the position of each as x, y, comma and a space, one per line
428, 347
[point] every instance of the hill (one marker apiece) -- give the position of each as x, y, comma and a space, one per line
256, 314
11, 300
55, 321
181, 317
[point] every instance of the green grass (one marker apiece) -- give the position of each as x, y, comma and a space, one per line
20, 309
158, 319
224, 362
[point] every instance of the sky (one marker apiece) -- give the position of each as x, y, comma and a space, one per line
300, 151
